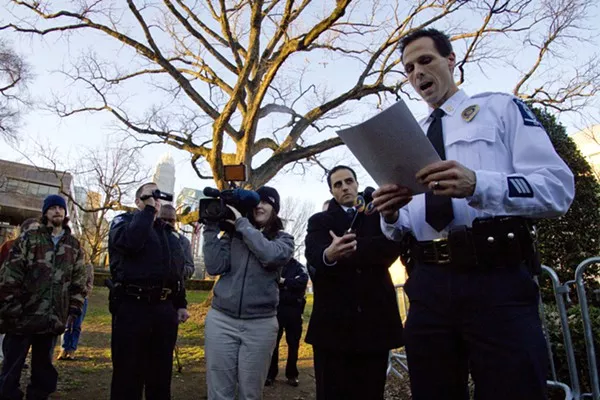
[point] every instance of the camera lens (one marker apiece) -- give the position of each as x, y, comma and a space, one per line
213, 209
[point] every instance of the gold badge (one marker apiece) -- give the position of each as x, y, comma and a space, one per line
470, 112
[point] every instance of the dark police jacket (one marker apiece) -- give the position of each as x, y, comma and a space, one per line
147, 252
291, 292
355, 307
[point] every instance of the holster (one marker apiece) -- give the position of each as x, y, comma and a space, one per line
501, 241
115, 295
407, 254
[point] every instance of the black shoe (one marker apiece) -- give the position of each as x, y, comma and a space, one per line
292, 382
269, 382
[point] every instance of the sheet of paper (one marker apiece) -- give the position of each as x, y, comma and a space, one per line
392, 147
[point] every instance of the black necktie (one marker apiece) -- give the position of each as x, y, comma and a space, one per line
350, 213
438, 209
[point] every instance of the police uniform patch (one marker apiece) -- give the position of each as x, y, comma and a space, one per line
118, 220
470, 112
529, 118
519, 187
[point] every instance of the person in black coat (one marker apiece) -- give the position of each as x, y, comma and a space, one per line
355, 319
147, 300
292, 286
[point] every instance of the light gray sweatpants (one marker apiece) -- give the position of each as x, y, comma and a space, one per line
238, 354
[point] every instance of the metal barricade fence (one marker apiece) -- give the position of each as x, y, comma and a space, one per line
573, 390
397, 359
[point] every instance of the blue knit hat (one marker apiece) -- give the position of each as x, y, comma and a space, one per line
54, 200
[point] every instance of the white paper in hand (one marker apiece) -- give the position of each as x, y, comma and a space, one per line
392, 147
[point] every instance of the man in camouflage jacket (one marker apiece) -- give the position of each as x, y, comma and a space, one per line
42, 287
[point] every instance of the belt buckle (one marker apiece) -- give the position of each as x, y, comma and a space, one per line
165, 292
441, 256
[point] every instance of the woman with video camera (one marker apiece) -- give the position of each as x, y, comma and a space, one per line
241, 326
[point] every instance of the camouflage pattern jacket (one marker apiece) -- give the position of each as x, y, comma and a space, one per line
41, 284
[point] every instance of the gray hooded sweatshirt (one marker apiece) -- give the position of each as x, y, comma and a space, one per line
249, 266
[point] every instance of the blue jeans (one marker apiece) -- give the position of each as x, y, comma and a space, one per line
71, 338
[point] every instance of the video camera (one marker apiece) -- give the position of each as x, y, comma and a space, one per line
214, 207
158, 195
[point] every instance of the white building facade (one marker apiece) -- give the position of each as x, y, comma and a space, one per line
164, 174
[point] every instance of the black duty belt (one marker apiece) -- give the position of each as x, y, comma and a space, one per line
147, 293
491, 242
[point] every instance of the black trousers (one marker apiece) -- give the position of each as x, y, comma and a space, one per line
290, 321
482, 322
350, 376
43, 374
143, 339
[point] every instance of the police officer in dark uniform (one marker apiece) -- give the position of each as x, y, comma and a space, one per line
292, 286
147, 300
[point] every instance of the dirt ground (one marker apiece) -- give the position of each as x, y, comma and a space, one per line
88, 377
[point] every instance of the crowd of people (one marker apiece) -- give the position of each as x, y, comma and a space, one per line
468, 246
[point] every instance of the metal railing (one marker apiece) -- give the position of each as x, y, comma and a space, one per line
562, 298
397, 365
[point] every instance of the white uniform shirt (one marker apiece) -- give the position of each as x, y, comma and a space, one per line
518, 171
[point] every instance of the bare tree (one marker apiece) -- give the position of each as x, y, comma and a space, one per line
111, 176
14, 74
295, 215
563, 22
106, 179
238, 78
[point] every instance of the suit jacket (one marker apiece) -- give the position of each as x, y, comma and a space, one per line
355, 307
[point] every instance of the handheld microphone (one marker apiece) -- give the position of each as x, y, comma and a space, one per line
368, 194
248, 199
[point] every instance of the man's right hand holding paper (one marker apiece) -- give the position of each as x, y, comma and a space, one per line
389, 199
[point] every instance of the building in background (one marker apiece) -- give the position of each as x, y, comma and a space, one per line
588, 142
23, 188
80, 195
164, 174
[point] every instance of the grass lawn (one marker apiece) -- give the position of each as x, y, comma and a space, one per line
88, 377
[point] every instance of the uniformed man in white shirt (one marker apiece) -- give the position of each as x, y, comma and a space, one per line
473, 302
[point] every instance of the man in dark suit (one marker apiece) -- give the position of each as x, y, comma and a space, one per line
355, 319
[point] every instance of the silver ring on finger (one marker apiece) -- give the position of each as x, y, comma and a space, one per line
436, 185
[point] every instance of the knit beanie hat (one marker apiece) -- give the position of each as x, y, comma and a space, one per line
54, 200
269, 195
